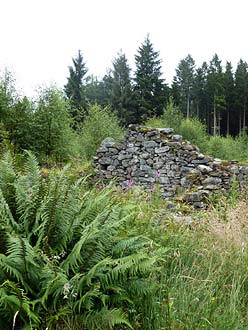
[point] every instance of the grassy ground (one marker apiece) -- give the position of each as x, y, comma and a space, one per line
204, 282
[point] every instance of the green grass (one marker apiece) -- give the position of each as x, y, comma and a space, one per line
204, 281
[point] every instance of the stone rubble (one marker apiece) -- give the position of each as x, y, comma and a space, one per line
149, 157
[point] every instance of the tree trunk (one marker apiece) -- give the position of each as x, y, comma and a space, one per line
188, 106
215, 119
227, 122
240, 122
244, 121
219, 119
197, 110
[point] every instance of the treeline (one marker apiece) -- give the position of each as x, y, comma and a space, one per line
62, 124
215, 95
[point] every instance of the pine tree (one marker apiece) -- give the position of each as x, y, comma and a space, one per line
215, 91
94, 91
241, 90
228, 93
149, 87
184, 81
121, 98
199, 92
75, 87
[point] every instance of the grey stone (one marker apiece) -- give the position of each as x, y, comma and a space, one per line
144, 155
102, 150
192, 197
149, 144
185, 220
110, 168
145, 168
162, 150
212, 181
204, 168
217, 161
166, 131
200, 161
163, 180
234, 169
108, 142
177, 138
105, 161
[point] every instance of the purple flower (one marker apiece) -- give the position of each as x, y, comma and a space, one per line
130, 183
157, 174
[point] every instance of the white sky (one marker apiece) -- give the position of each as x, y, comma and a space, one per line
38, 38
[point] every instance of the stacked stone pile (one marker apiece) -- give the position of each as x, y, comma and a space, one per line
148, 157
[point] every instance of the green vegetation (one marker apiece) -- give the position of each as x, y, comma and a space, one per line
99, 124
194, 131
69, 256
74, 255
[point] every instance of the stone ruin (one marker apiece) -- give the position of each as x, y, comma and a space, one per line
151, 157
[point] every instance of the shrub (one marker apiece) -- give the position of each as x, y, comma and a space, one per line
195, 132
98, 124
171, 117
228, 147
52, 135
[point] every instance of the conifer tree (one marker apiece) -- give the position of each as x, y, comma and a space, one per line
241, 90
75, 87
150, 91
184, 81
121, 98
199, 92
215, 90
229, 94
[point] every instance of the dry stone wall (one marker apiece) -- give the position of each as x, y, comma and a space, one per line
148, 157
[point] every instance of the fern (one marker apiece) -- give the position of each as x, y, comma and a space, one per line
69, 251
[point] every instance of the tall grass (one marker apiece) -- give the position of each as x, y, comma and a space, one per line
205, 271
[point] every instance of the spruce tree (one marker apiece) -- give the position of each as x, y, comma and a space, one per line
75, 87
215, 90
229, 94
199, 92
121, 98
241, 90
150, 91
184, 81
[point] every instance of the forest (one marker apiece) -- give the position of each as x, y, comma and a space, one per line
77, 254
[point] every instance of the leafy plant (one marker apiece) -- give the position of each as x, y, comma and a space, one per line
98, 124
68, 256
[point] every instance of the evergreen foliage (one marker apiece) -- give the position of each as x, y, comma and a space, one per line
150, 90
122, 94
184, 81
75, 89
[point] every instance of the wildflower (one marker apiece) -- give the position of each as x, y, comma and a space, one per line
130, 183
213, 299
157, 174
66, 290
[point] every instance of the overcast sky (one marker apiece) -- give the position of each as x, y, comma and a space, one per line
39, 37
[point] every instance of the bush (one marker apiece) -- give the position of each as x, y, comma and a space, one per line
228, 147
195, 132
98, 124
52, 133
171, 117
